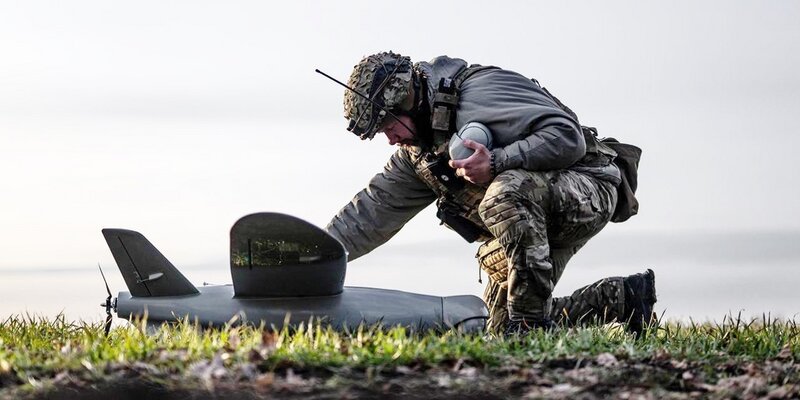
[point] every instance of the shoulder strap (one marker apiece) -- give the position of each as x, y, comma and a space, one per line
445, 103
559, 103
468, 72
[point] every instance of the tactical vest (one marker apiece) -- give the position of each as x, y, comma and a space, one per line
458, 200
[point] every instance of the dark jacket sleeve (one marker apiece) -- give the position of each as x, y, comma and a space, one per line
378, 212
529, 130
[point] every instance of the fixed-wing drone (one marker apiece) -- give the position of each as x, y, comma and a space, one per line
285, 271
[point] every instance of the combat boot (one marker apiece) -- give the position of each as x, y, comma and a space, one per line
523, 327
640, 295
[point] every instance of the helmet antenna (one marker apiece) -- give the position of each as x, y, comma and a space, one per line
391, 114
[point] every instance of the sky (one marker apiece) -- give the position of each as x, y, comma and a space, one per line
176, 118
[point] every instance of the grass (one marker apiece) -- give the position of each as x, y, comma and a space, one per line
35, 350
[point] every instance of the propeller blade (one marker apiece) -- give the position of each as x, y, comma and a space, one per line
104, 279
108, 304
109, 318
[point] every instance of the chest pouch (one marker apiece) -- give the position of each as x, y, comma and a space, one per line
444, 106
446, 176
448, 212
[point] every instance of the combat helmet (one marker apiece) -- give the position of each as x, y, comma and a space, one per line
385, 78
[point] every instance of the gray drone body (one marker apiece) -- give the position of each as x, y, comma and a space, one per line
474, 131
285, 271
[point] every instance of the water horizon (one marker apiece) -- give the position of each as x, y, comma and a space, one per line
700, 276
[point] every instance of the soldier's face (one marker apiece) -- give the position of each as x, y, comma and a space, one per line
397, 133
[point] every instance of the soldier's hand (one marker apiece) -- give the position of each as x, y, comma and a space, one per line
475, 168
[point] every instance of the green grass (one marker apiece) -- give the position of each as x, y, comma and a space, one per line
34, 348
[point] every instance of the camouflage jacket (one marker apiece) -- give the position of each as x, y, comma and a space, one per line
529, 131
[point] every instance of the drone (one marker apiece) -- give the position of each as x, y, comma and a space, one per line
285, 272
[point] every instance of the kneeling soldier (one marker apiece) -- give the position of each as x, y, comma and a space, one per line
543, 189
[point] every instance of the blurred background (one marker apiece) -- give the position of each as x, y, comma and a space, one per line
176, 118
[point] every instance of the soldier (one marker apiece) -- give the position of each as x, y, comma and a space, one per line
534, 199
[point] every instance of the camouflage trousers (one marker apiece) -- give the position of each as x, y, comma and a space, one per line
539, 221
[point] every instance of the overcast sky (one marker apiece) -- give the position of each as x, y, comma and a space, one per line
174, 118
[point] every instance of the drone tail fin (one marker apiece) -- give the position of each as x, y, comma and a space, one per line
146, 271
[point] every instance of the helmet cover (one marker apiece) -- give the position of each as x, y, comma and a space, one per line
384, 78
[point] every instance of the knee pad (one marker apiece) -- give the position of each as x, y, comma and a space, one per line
492, 260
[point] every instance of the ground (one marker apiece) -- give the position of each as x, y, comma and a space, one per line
42, 359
